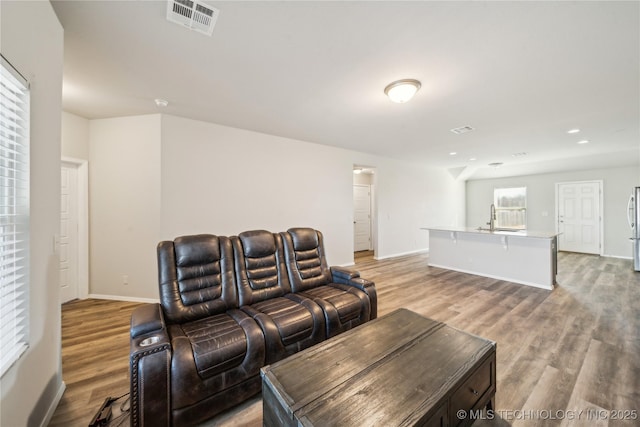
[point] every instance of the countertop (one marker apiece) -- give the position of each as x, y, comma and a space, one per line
524, 233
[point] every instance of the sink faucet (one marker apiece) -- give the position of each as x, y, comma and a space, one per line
492, 218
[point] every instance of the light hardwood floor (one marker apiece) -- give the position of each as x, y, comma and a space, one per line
576, 348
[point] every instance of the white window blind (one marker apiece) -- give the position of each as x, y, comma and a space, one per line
14, 215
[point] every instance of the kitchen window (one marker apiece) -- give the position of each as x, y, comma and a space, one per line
14, 215
511, 208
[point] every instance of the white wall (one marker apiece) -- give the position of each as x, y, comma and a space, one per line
617, 185
31, 39
224, 180
75, 136
151, 182
124, 194
411, 196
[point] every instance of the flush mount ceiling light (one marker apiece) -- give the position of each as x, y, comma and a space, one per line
403, 90
573, 131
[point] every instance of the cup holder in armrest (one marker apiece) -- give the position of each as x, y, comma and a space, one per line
149, 341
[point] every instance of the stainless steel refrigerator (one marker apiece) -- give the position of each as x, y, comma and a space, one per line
633, 215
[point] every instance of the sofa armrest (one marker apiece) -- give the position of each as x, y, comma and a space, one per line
349, 277
343, 275
150, 360
145, 319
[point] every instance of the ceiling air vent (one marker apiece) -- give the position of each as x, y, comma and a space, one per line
463, 129
193, 14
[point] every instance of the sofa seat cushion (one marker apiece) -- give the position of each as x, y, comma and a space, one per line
348, 305
213, 354
293, 321
218, 344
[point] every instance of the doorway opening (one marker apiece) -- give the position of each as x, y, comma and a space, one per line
364, 212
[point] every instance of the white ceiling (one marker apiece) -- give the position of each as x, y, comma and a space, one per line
520, 73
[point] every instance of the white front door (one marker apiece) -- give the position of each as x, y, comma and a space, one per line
68, 233
579, 219
361, 217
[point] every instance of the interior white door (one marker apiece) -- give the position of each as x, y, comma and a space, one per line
579, 219
68, 233
361, 217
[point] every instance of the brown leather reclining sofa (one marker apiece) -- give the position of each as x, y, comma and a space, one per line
228, 306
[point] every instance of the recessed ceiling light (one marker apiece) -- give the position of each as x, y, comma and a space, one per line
573, 131
403, 90
584, 141
453, 153
161, 102
473, 159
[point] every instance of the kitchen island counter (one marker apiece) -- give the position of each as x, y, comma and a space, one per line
524, 257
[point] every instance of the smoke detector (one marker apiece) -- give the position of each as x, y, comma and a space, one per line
193, 14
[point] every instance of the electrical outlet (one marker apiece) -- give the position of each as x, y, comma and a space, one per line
125, 280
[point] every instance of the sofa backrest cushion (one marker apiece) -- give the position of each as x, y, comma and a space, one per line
305, 259
196, 277
259, 266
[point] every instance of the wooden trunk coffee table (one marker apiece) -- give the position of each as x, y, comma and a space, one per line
400, 369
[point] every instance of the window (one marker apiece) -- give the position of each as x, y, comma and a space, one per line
511, 208
14, 215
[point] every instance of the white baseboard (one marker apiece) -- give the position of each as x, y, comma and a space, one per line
493, 276
349, 264
123, 298
54, 405
417, 251
618, 256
